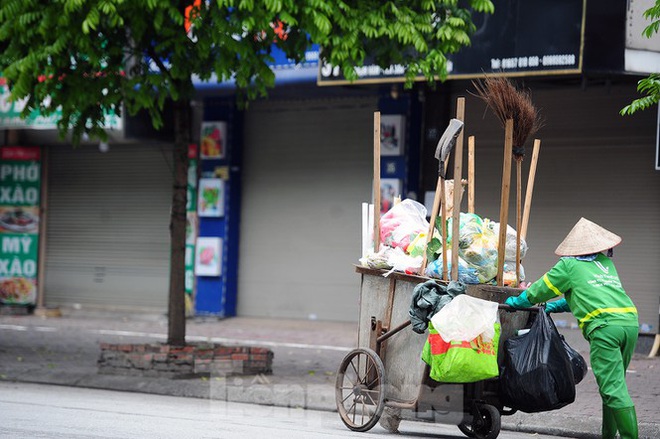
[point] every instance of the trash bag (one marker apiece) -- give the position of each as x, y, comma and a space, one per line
417, 246
469, 224
462, 361
478, 247
510, 245
403, 223
536, 375
467, 274
509, 274
377, 260
400, 261
465, 318
428, 298
578, 363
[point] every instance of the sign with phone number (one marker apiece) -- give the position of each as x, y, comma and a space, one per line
530, 37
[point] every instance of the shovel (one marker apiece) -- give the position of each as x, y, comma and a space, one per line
445, 145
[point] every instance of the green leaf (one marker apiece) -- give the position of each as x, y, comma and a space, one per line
322, 23
432, 249
246, 5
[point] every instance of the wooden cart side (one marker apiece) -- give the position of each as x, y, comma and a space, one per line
388, 299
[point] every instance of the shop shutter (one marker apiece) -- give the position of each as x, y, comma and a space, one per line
308, 166
108, 226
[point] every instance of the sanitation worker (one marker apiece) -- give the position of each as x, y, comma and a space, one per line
587, 279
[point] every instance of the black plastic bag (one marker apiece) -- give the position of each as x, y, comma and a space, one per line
578, 363
537, 375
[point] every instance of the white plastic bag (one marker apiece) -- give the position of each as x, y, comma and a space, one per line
400, 261
510, 247
465, 318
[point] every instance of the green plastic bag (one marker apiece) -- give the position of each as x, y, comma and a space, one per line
461, 361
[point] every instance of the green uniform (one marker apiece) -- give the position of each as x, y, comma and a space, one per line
608, 319
592, 290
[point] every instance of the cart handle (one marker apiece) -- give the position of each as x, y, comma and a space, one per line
407, 323
393, 331
508, 308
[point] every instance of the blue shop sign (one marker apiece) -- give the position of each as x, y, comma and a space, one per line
286, 70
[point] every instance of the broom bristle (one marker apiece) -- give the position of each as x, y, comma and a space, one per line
507, 102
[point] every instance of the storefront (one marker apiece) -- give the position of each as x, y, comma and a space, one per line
108, 225
307, 169
300, 165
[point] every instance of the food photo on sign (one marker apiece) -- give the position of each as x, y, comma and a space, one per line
208, 256
213, 140
19, 219
211, 197
17, 291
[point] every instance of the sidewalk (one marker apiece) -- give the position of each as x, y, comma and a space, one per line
64, 351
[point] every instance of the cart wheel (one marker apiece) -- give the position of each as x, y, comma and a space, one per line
359, 389
485, 426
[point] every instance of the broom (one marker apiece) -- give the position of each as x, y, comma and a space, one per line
510, 103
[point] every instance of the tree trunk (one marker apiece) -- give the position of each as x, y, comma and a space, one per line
176, 330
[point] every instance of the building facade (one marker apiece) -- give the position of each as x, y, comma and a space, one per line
301, 165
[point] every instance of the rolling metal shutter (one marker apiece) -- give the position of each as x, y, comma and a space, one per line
108, 226
308, 166
592, 163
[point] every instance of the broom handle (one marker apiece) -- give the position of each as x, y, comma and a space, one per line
518, 216
530, 187
458, 174
504, 201
471, 174
376, 181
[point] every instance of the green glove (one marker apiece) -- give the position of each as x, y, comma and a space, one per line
560, 305
519, 302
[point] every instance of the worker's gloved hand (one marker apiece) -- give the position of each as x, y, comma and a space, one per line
519, 302
557, 306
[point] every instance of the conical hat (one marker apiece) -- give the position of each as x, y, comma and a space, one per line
587, 238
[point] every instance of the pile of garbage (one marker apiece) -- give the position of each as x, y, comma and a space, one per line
403, 241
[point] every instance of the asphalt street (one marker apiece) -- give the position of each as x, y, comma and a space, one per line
307, 353
44, 411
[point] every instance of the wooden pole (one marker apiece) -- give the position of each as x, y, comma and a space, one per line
471, 174
43, 197
530, 187
439, 195
434, 214
443, 228
504, 201
376, 181
458, 171
41, 309
518, 215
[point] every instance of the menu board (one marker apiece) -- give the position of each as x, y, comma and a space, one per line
20, 191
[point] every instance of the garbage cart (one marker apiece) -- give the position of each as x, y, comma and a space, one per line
386, 369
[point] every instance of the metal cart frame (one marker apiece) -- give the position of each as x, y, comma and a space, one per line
387, 371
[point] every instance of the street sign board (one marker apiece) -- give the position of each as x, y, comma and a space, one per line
522, 37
